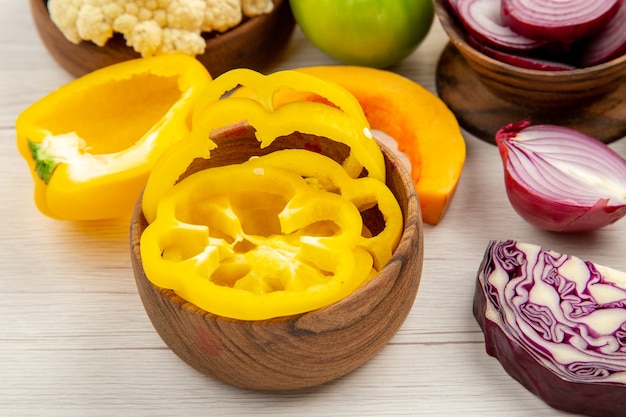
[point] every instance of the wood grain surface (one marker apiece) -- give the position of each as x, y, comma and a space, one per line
75, 339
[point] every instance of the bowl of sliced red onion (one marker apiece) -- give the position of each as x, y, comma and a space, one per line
553, 58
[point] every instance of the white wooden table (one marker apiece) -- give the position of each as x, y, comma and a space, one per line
75, 340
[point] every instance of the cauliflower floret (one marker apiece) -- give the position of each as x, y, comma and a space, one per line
221, 15
144, 14
152, 26
112, 10
151, 4
256, 7
132, 7
179, 40
186, 14
160, 16
93, 25
64, 14
145, 38
124, 24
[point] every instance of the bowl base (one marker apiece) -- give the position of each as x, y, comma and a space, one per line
481, 112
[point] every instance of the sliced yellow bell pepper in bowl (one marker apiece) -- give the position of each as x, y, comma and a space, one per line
277, 248
253, 242
346, 125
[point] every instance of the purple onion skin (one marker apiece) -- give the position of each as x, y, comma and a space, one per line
559, 217
587, 396
545, 212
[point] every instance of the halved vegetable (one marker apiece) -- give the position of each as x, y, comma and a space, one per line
91, 143
557, 324
560, 179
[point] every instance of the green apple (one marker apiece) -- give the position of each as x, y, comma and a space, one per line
374, 33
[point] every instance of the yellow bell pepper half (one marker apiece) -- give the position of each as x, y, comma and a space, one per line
91, 143
345, 123
245, 242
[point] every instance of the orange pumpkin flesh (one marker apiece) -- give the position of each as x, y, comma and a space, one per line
422, 125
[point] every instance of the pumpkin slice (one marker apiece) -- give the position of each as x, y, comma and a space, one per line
422, 125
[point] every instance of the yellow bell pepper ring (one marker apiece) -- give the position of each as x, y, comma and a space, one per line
91, 143
252, 242
262, 88
364, 193
347, 125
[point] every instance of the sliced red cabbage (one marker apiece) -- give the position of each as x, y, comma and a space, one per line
557, 324
559, 21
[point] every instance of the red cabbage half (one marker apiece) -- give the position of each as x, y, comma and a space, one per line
557, 324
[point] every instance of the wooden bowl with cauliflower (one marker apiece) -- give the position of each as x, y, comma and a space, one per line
222, 34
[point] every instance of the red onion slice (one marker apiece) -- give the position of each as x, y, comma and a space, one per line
520, 61
559, 179
560, 21
557, 324
483, 20
608, 44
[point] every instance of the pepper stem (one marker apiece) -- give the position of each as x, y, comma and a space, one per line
44, 163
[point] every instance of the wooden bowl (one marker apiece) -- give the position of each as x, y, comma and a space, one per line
297, 351
587, 99
252, 44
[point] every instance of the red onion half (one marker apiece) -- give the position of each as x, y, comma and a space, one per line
557, 324
561, 180
559, 21
483, 20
